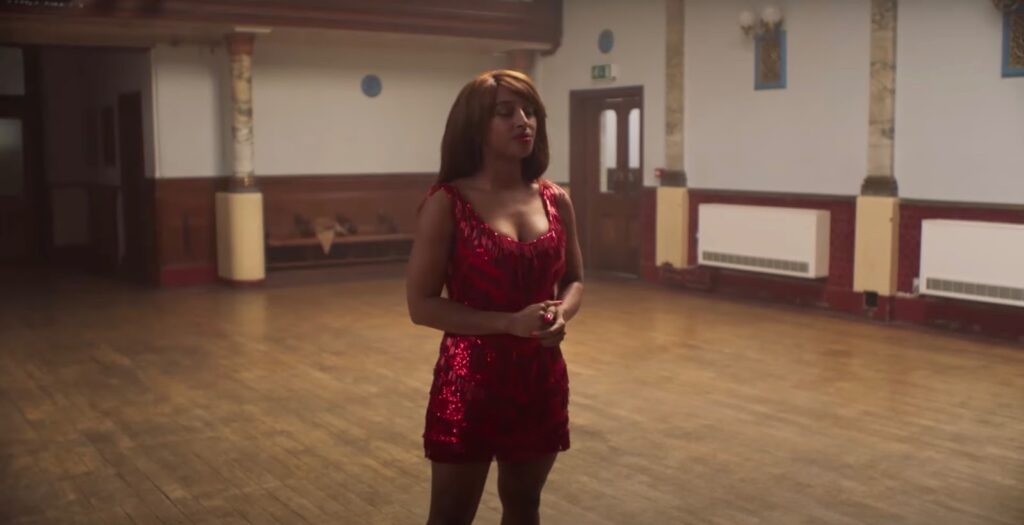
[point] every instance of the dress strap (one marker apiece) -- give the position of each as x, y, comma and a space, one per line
551, 193
457, 202
441, 186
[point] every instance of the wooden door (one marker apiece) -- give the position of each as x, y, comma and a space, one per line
136, 195
606, 176
23, 201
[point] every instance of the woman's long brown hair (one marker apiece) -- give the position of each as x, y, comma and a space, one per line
469, 121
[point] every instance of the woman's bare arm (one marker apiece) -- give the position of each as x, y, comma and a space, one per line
570, 289
426, 272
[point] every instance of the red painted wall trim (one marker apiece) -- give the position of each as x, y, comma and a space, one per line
911, 215
939, 312
993, 320
836, 292
842, 232
188, 275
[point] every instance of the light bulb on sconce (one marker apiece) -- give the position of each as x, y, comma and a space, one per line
747, 21
772, 16
752, 25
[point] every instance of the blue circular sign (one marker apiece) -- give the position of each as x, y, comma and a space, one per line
606, 41
371, 85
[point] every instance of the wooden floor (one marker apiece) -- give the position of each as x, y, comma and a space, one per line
303, 403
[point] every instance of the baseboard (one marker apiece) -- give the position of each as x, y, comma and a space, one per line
968, 317
187, 275
1004, 322
241, 284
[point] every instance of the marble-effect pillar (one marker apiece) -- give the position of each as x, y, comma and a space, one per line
240, 235
240, 47
881, 180
674, 15
876, 248
673, 204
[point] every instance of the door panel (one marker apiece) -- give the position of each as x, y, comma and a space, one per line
137, 199
15, 205
606, 168
24, 209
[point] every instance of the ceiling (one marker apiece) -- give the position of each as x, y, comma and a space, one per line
35, 30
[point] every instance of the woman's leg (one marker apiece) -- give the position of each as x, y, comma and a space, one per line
519, 485
455, 490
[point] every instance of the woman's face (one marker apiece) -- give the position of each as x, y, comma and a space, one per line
513, 126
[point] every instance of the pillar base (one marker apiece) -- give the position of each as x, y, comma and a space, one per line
876, 247
240, 243
673, 226
879, 186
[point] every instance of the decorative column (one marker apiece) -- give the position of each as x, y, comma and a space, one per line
240, 49
674, 17
240, 244
876, 250
880, 179
673, 202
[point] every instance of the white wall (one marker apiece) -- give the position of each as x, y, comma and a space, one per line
310, 115
808, 138
639, 54
193, 111
959, 125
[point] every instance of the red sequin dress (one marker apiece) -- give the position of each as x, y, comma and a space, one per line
499, 396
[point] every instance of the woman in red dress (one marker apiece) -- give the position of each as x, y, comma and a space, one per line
502, 242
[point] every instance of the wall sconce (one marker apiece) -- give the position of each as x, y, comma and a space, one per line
1007, 6
770, 21
769, 46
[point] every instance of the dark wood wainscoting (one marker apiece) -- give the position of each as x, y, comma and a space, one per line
374, 214
186, 233
367, 218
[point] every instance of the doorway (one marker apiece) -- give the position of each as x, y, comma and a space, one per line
606, 176
24, 203
137, 195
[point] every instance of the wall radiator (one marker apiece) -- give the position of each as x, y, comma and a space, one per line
977, 261
766, 239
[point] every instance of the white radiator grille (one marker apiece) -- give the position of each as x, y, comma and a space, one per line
976, 289
765, 239
973, 260
796, 267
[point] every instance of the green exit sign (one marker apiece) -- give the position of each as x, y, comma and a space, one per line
602, 72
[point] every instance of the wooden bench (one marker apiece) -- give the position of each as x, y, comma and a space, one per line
297, 252
314, 221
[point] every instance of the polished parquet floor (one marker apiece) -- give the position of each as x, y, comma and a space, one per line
302, 402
